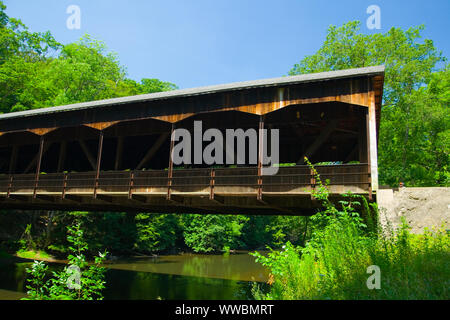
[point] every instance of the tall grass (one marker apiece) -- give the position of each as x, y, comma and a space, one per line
334, 263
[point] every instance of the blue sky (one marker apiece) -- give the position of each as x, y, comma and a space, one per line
199, 42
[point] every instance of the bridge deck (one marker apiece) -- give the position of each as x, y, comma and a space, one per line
215, 190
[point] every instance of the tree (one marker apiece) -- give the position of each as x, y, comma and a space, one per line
405, 142
212, 233
22, 55
156, 232
36, 71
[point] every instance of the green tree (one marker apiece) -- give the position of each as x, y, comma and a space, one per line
405, 144
212, 233
22, 55
156, 232
155, 85
36, 71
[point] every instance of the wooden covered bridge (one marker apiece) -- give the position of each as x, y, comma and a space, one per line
113, 155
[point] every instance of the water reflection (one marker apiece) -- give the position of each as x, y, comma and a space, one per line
141, 285
239, 266
187, 276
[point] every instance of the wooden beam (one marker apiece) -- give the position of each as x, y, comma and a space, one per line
139, 198
353, 154
151, 152
45, 198
73, 198
170, 170
38, 165
372, 141
99, 160
62, 156
260, 156
19, 197
105, 198
268, 202
218, 199
331, 126
119, 152
362, 142
36, 157
87, 153
178, 199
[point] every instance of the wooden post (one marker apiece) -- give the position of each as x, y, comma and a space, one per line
260, 156
169, 177
38, 165
99, 160
368, 156
151, 152
130, 185
63, 195
321, 139
119, 152
10, 184
88, 154
362, 141
211, 184
312, 179
13, 159
372, 139
35, 159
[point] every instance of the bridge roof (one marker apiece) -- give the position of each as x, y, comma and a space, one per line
273, 82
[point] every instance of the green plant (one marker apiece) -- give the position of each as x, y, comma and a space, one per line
37, 287
78, 281
333, 263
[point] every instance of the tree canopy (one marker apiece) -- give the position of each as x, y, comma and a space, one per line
36, 71
415, 127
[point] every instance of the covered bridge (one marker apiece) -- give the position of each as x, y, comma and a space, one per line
113, 155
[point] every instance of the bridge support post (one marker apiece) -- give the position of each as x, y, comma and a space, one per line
260, 156
10, 184
211, 184
369, 169
130, 186
38, 165
99, 160
170, 169
63, 195
372, 140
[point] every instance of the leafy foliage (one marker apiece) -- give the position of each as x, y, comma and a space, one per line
36, 71
333, 263
156, 232
91, 277
414, 129
209, 233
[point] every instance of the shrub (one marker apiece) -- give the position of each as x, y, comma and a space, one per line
333, 264
77, 281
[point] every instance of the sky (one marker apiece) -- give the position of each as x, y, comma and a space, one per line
199, 42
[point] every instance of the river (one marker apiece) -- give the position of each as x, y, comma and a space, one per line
184, 276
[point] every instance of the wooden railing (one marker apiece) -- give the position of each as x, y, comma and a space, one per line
241, 180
